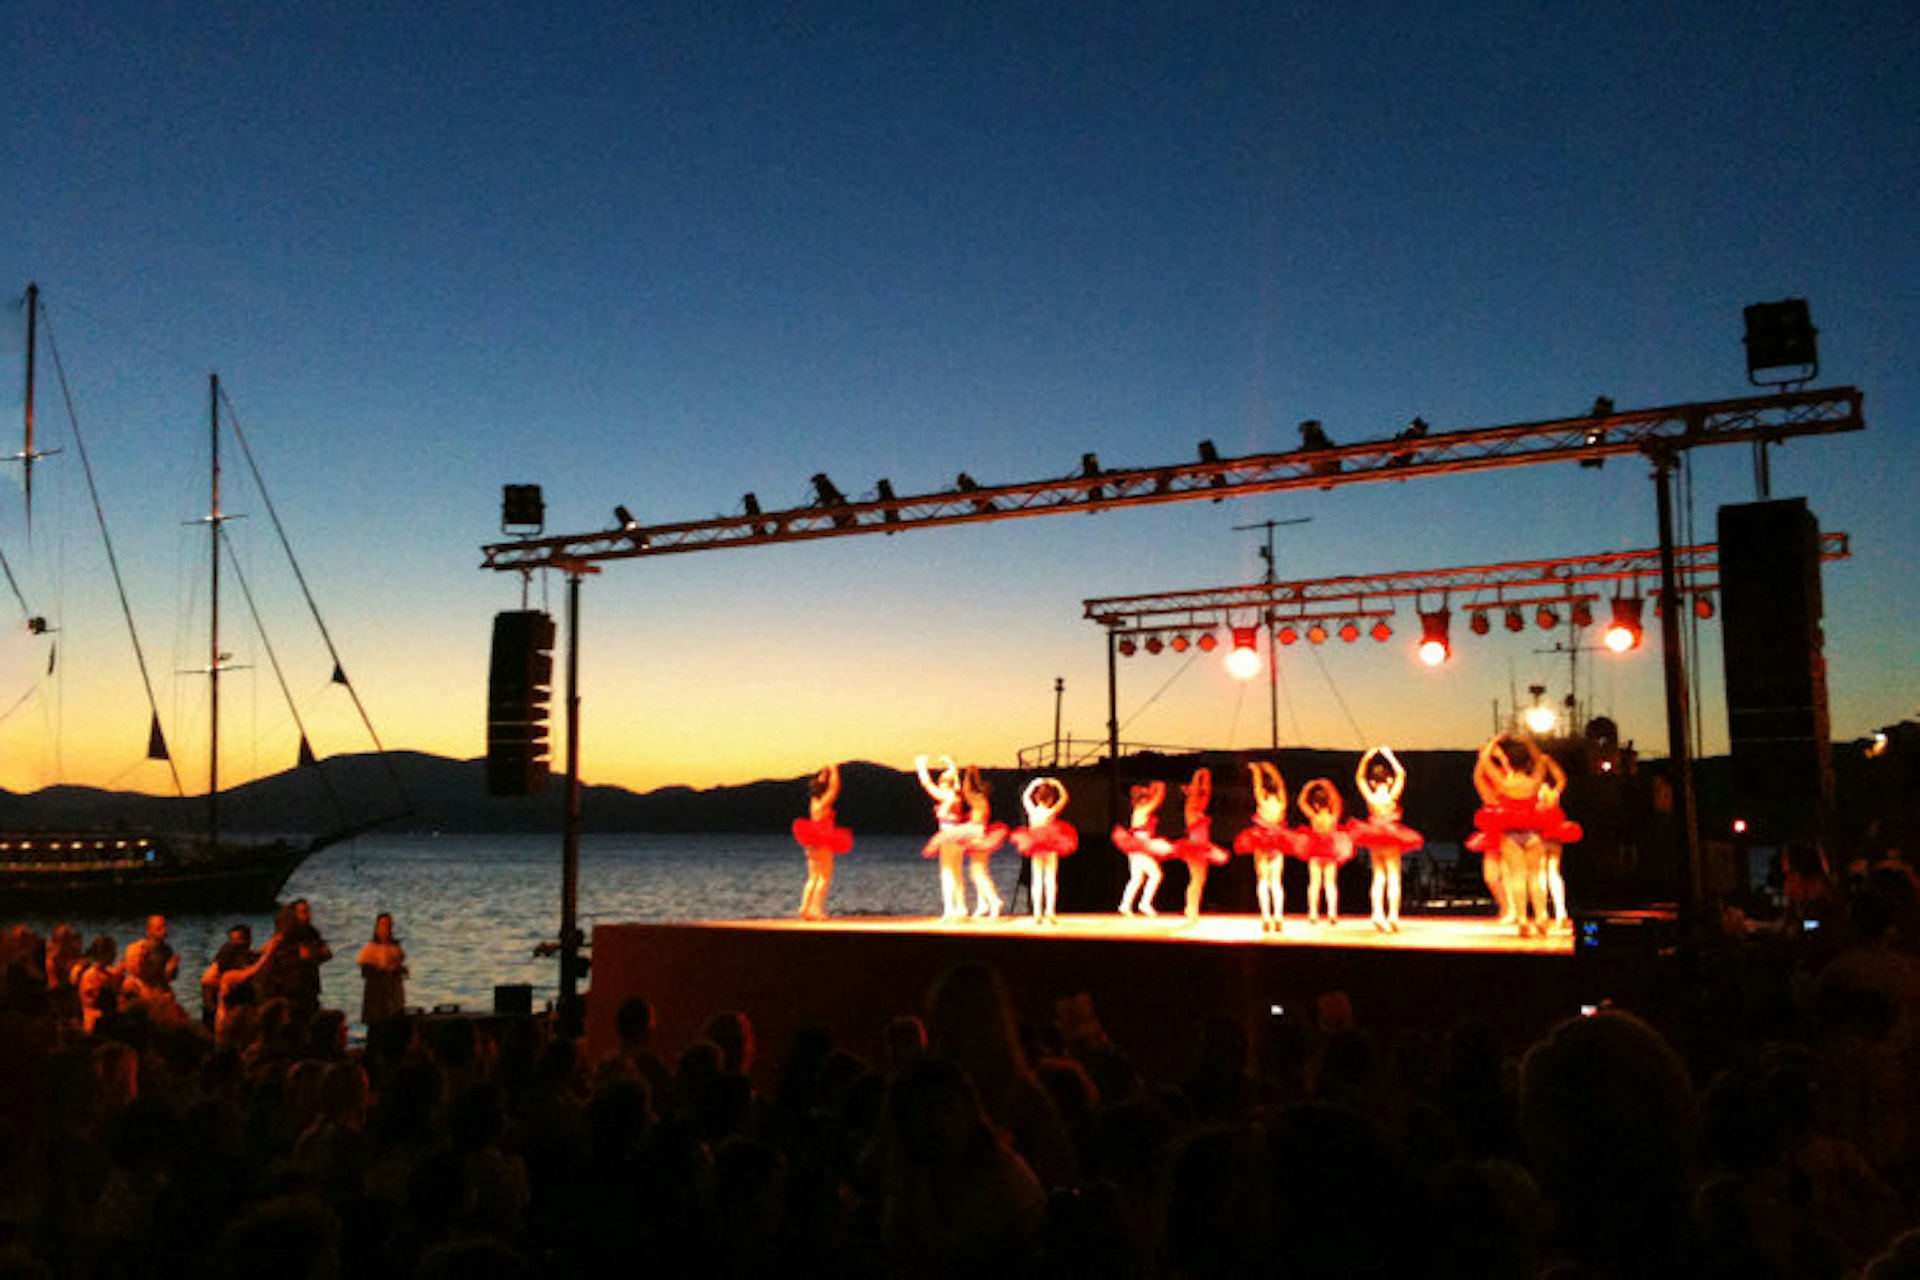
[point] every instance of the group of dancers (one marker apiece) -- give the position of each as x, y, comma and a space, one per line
1520, 831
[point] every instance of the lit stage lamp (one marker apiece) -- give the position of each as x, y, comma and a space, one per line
1515, 622
1128, 648
1703, 606
1541, 720
1289, 634
1155, 644
1317, 633
1243, 661
1434, 647
1480, 623
1546, 617
1349, 631
1178, 644
1208, 642
1382, 632
1582, 613
1624, 632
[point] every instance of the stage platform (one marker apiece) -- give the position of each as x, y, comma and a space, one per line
1152, 980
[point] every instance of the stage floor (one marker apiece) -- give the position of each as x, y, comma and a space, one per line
1153, 980
1417, 933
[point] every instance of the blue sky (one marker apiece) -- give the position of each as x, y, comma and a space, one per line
662, 255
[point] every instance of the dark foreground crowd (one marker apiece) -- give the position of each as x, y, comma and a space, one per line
1763, 1121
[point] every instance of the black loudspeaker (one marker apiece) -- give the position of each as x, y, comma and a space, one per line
1776, 672
519, 687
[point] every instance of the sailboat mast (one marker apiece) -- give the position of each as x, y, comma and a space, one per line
213, 654
26, 456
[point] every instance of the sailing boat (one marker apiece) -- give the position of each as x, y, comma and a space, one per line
60, 868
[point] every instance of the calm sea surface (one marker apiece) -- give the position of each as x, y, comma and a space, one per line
470, 909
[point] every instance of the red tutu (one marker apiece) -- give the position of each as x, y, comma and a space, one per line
1263, 839
1326, 846
954, 837
981, 842
1141, 840
1556, 826
822, 834
1390, 836
1056, 837
1198, 843
1512, 815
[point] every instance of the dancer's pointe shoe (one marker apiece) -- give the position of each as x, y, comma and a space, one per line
1393, 926
1380, 923
1148, 911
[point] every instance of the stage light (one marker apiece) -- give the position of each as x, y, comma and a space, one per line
1703, 606
623, 518
1781, 336
1090, 470
1582, 613
1515, 621
1382, 632
522, 509
1289, 634
1349, 631
1739, 826
884, 487
1208, 642
1546, 617
1128, 648
1540, 720
1434, 646
1208, 454
1624, 632
967, 484
1480, 623
1179, 644
1243, 662
1155, 644
1317, 633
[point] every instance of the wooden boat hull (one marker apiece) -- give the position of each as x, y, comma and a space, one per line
53, 875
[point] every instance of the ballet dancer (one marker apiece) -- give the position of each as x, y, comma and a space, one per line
1381, 779
1197, 848
1556, 830
1269, 841
1143, 848
950, 842
1325, 847
983, 837
821, 839
1509, 820
1045, 839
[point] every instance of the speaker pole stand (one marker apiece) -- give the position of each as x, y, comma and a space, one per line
1674, 666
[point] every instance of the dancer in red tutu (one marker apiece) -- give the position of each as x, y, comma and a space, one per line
1269, 841
983, 837
1045, 840
1197, 848
1325, 847
1143, 848
1509, 823
1381, 779
821, 839
1556, 831
951, 841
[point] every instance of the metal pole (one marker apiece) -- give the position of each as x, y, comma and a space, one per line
1113, 732
213, 618
1059, 690
1674, 667
571, 1011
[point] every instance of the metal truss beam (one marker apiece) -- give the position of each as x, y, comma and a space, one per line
1659, 433
1518, 582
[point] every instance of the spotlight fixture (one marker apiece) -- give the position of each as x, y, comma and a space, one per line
1289, 634
1090, 469
1317, 633
1703, 606
1546, 617
1583, 613
1155, 644
1128, 648
1515, 622
1209, 454
1480, 623
1781, 339
826, 494
1178, 644
1624, 632
1208, 642
884, 487
752, 505
1540, 720
1243, 662
1434, 647
627, 525
1349, 631
1382, 632
967, 484
522, 509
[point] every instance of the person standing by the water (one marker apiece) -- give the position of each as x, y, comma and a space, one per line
383, 969
293, 973
822, 840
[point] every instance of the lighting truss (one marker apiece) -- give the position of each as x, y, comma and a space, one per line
1522, 584
1591, 439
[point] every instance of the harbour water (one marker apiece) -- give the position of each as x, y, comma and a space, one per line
471, 909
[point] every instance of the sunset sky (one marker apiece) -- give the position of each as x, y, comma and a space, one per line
661, 255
